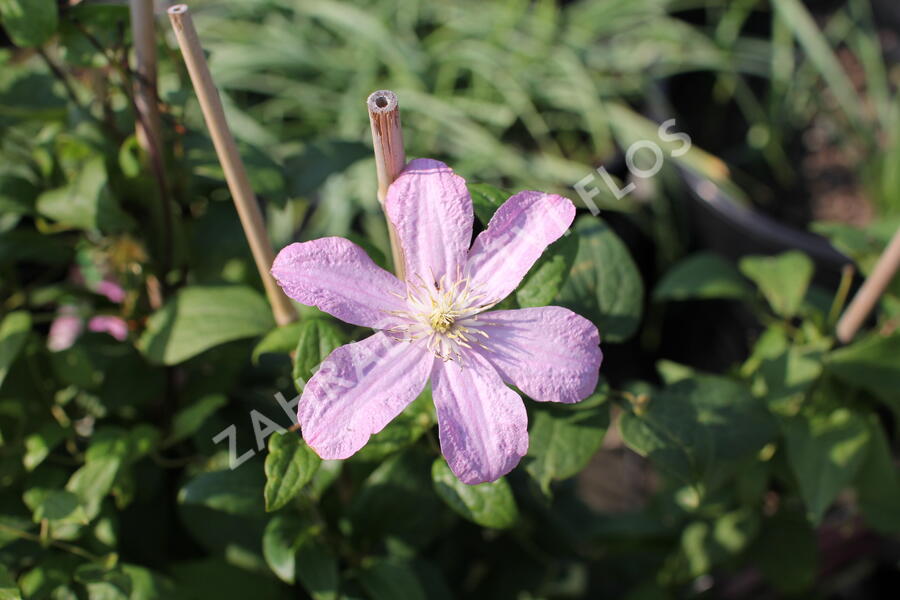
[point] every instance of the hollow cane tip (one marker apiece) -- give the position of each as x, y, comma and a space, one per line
382, 101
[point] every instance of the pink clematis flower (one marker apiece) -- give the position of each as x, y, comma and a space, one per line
438, 325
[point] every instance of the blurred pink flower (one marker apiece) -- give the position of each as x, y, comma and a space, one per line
64, 329
111, 289
434, 326
114, 326
68, 325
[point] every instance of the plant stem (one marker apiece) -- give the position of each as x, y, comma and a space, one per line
868, 295
226, 149
70, 548
840, 297
143, 32
390, 158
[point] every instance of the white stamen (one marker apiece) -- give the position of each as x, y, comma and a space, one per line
443, 313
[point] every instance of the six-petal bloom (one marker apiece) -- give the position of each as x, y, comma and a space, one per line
437, 325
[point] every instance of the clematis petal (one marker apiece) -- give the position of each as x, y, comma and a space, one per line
431, 210
550, 353
358, 390
338, 277
516, 236
483, 425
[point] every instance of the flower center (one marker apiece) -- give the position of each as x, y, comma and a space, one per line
443, 315
441, 320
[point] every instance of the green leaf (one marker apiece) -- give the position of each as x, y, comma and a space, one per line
60, 506
93, 481
278, 341
783, 372
702, 276
201, 317
870, 363
85, 202
234, 492
403, 431
190, 418
8, 588
13, 332
697, 430
104, 584
786, 552
397, 501
281, 539
29, 22
563, 438
216, 578
391, 579
318, 337
825, 450
487, 504
543, 282
604, 284
147, 585
705, 545
486, 199
17, 195
782, 279
290, 465
317, 570
40, 443
878, 482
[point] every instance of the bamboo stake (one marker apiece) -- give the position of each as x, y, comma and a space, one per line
226, 149
143, 30
868, 295
390, 158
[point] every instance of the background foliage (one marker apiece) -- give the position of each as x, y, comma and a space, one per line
732, 450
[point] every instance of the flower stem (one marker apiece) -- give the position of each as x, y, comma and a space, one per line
868, 295
226, 149
390, 158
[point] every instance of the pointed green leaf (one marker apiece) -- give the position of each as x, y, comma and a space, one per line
190, 418
317, 338
486, 199
825, 450
8, 588
60, 506
278, 341
29, 23
236, 492
391, 579
878, 482
201, 317
543, 282
317, 570
487, 504
702, 276
871, 363
281, 539
782, 279
13, 333
85, 202
93, 481
563, 438
290, 465
698, 429
604, 284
